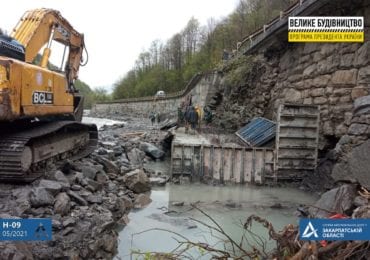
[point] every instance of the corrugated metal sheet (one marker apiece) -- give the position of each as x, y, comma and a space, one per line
258, 132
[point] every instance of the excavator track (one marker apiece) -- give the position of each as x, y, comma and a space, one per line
26, 153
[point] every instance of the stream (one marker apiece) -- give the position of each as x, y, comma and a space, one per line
100, 121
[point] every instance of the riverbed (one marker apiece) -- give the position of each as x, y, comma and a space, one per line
228, 205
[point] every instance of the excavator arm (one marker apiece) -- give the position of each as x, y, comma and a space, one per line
41, 26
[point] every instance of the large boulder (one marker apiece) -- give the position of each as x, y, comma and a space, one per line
62, 204
136, 156
89, 171
94, 199
61, 178
119, 208
39, 196
53, 187
128, 202
357, 166
158, 181
142, 200
109, 166
110, 242
151, 150
77, 198
137, 181
93, 185
22, 193
337, 200
102, 178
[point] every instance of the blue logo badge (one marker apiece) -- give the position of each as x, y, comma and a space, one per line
334, 229
310, 231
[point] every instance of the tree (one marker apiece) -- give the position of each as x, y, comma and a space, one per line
191, 37
86, 92
101, 95
168, 66
154, 51
175, 50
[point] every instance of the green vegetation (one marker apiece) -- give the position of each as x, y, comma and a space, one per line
85, 91
238, 70
91, 96
169, 66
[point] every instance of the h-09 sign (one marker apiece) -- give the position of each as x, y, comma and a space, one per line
25, 229
42, 97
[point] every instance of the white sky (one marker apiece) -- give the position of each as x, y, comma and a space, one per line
116, 31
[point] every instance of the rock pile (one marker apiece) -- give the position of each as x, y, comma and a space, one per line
85, 199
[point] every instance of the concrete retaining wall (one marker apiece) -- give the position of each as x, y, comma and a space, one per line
200, 88
222, 163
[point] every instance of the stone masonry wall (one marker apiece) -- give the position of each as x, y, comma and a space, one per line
352, 150
329, 75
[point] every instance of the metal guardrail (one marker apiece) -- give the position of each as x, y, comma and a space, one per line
191, 84
250, 41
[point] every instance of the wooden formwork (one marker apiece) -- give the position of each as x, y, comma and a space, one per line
222, 163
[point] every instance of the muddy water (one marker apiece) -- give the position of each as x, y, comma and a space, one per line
228, 205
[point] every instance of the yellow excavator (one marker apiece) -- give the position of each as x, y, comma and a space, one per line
40, 109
